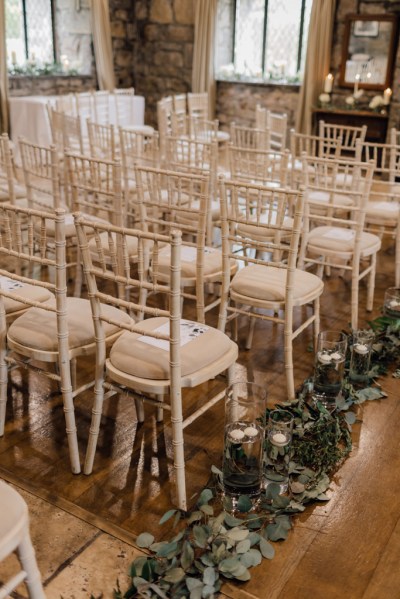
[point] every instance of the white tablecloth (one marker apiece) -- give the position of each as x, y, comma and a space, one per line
29, 117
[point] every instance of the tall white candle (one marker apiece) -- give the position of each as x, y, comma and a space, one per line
387, 95
13, 57
328, 83
356, 82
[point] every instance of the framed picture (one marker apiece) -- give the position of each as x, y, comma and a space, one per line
366, 28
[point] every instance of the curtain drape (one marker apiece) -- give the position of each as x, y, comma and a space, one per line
3, 73
101, 31
203, 51
317, 61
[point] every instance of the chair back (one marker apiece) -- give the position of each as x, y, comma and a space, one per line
66, 103
124, 108
42, 176
258, 166
96, 187
164, 120
198, 105
249, 137
101, 100
348, 135
7, 181
101, 140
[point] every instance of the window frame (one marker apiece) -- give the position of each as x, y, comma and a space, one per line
53, 28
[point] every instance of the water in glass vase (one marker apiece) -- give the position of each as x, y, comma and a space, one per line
328, 375
360, 360
242, 463
277, 457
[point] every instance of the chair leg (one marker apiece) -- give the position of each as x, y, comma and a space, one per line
371, 284
27, 557
97, 409
3, 369
316, 322
250, 333
178, 448
397, 258
139, 409
355, 282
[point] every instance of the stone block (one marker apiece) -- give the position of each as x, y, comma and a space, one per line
183, 10
161, 11
180, 33
118, 29
171, 58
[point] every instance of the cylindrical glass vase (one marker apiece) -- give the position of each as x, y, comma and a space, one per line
277, 449
329, 367
242, 466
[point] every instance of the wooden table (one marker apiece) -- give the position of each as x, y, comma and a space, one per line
376, 122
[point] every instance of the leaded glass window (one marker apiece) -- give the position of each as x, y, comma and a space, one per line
29, 31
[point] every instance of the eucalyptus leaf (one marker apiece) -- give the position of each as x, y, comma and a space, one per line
207, 591
244, 504
174, 575
187, 556
251, 558
193, 583
279, 529
209, 576
196, 593
167, 550
144, 540
266, 549
216, 470
207, 509
237, 534
205, 496
231, 521
167, 516
195, 516
200, 535
272, 491
243, 546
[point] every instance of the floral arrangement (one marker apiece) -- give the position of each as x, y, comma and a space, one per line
376, 103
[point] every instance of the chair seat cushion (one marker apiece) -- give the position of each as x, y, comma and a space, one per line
382, 212
267, 283
32, 292
339, 240
37, 328
323, 197
135, 357
146, 129
212, 261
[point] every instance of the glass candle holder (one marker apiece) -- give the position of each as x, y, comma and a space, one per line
361, 351
277, 449
391, 302
329, 367
245, 416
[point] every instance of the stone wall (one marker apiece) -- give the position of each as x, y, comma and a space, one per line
163, 50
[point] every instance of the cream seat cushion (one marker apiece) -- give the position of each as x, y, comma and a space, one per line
19, 191
382, 212
37, 328
212, 261
137, 358
267, 283
340, 240
32, 292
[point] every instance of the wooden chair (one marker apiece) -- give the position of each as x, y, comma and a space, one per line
53, 332
198, 105
164, 120
249, 137
259, 166
383, 207
333, 230
159, 355
348, 135
15, 538
199, 157
125, 111
276, 123
101, 99
179, 116
11, 190
66, 103
102, 140
170, 200
267, 285
301, 144
136, 148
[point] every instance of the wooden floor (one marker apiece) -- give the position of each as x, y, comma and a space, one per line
347, 548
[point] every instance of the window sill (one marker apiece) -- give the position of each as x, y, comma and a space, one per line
261, 82
48, 76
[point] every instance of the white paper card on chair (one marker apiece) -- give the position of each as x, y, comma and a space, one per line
188, 253
9, 285
189, 331
340, 234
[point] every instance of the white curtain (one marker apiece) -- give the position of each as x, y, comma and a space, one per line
3, 73
317, 61
203, 51
101, 31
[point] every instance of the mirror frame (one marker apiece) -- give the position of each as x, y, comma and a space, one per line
350, 20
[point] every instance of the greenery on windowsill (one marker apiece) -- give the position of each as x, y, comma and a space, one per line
215, 542
47, 69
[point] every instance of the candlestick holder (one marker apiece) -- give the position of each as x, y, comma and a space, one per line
277, 449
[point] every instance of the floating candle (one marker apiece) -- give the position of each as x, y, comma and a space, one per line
394, 304
336, 356
360, 348
324, 358
250, 431
236, 434
279, 439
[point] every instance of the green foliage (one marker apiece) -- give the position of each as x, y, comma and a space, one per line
219, 540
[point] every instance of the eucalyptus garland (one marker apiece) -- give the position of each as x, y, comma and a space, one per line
214, 542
